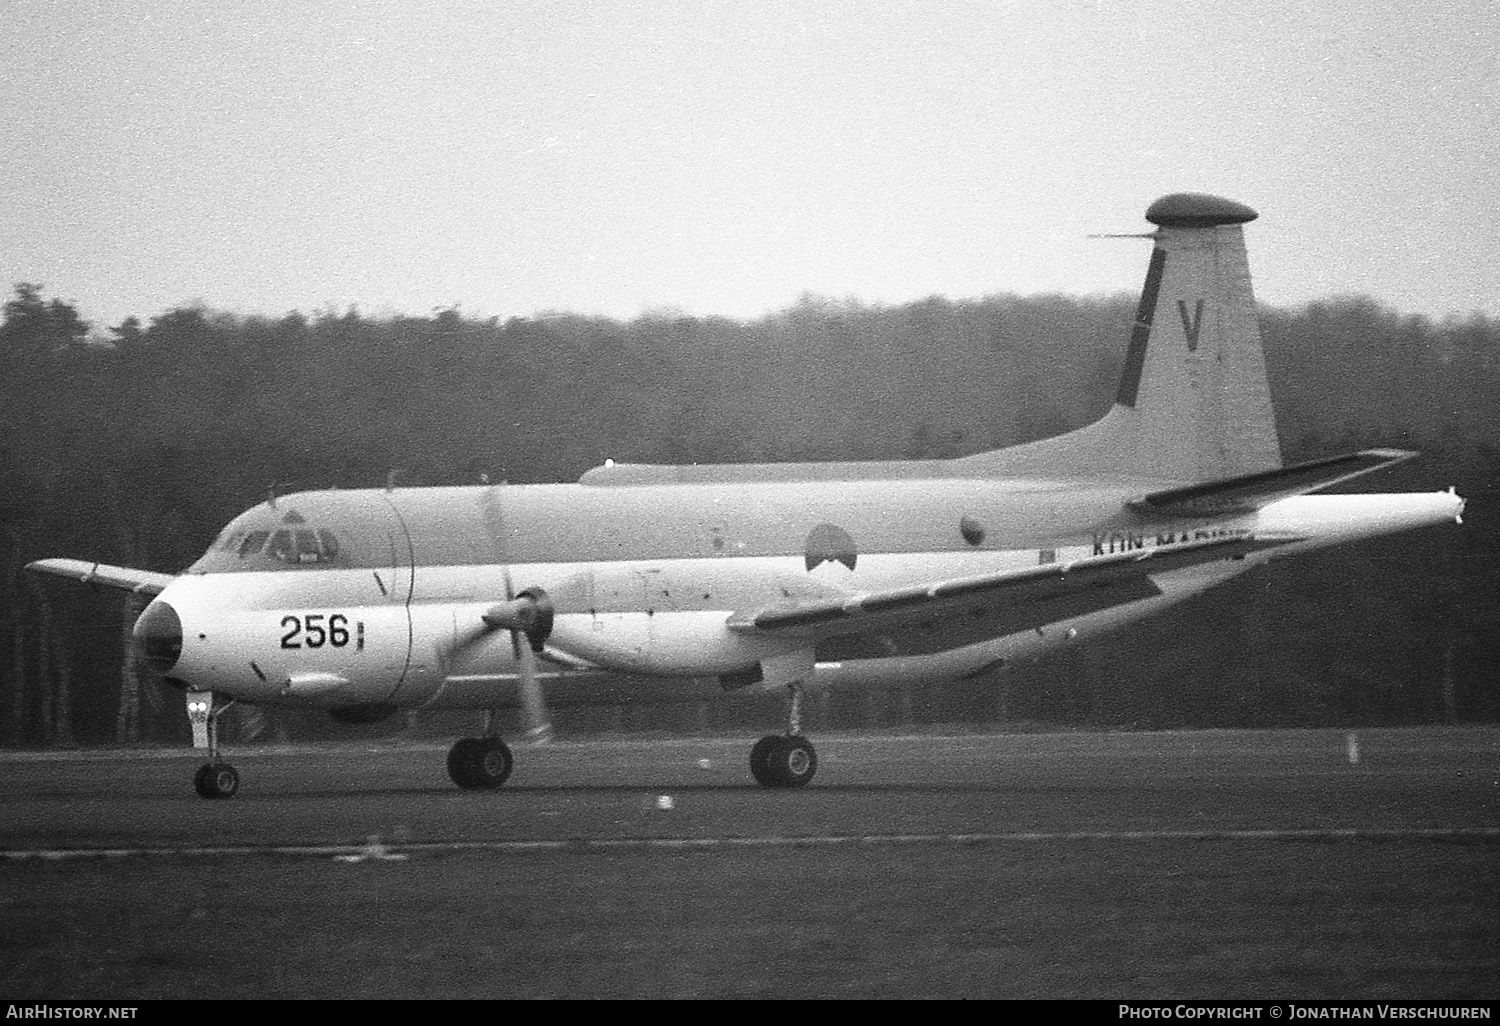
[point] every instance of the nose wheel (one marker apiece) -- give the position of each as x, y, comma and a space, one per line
216, 780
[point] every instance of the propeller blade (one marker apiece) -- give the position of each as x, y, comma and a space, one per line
528, 618
533, 706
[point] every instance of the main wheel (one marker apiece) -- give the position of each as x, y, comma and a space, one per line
479, 763
794, 762
758, 767
461, 760
492, 763
216, 780
778, 761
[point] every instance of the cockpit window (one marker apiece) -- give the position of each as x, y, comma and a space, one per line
253, 542
303, 545
283, 547
330, 544
307, 547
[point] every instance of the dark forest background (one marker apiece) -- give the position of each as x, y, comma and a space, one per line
135, 445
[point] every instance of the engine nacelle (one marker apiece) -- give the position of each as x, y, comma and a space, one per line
689, 644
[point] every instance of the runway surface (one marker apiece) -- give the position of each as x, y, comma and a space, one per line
1110, 783
1213, 863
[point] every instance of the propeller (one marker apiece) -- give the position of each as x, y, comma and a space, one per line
528, 616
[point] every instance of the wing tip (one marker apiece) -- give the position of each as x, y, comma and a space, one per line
1391, 456
94, 573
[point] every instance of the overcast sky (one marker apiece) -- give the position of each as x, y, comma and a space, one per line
723, 158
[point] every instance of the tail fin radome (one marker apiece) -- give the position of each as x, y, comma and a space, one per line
1193, 403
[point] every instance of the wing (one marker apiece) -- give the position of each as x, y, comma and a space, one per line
142, 582
1252, 491
1012, 600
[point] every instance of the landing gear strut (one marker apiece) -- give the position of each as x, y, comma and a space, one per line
480, 763
785, 760
215, 778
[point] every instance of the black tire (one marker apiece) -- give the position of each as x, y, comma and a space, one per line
794, 762
480, 763
778, 761
492, 763
216, 780
758, 767
461, 762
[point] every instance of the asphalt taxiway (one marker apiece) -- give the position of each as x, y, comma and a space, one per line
1386, 782
1279, 863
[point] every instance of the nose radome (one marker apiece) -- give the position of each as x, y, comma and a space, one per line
158, 636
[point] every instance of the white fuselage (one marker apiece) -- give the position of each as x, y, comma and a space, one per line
382, 603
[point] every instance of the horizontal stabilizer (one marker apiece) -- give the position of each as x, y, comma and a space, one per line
1252, 491
142, 582
1015, 599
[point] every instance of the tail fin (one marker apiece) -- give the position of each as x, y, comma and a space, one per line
1193, 403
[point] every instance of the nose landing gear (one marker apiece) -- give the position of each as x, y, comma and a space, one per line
215, 778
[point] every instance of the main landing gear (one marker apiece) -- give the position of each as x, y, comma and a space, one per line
785, 760
480, 763
215, 778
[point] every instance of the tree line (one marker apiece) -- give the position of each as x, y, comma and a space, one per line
135, 444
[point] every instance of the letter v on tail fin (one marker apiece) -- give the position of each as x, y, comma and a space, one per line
1193, 404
